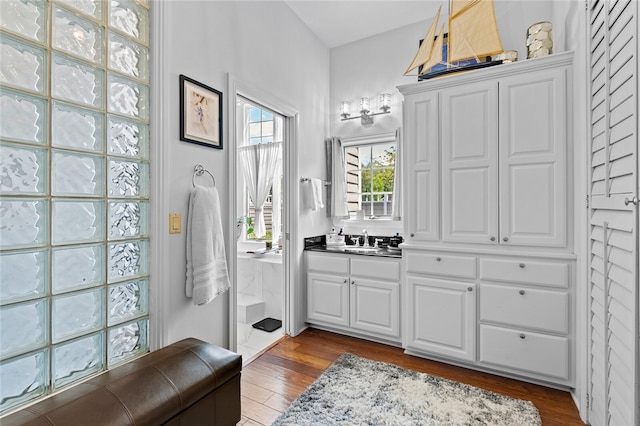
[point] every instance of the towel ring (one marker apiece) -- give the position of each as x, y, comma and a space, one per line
199, 170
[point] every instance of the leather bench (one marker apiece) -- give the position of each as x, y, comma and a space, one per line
187, 383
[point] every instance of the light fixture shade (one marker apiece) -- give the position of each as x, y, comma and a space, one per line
344, 109
364, 106
385, 102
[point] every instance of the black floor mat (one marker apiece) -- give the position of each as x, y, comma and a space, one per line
268, 324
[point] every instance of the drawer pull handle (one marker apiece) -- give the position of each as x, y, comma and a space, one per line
521, 292
412, 234
345, 281
493, 238
522, 336
470, 288
438, 259
353, 282
505, 239
521, 265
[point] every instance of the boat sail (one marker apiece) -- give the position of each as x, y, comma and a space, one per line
427, 50
473, 35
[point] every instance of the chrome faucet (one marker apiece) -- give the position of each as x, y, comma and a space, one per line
366, 238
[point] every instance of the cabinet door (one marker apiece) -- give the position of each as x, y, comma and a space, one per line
442, 317
375, 306
328, 299
421, 167
533, 176
469, 163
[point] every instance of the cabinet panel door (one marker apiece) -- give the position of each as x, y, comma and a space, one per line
526, 351
514, 305
533, 177
442, 317
325, 262
421, 167
375, 306
328, 299
376, 267
469, 163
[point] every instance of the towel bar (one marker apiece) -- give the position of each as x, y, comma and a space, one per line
199, 170
306, 179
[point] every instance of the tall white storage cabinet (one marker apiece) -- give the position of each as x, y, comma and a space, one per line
488, 257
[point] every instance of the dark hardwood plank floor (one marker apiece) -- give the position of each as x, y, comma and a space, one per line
272, 381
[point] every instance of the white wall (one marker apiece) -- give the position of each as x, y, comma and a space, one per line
266, 45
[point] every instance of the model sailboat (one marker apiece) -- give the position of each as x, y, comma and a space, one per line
473, 35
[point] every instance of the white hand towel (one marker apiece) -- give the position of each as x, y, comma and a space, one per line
314, 194
207, 274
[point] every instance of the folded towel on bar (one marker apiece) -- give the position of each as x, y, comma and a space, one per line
313, 194
207, 274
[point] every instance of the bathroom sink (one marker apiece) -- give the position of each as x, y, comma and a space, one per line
371, 251
361, 249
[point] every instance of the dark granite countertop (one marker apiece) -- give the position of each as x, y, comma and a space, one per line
379, 252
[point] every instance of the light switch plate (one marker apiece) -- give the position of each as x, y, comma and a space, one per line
175, 223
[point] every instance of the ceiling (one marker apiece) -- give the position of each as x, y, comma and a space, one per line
341, 22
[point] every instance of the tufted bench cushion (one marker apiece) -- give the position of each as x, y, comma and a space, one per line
187, 383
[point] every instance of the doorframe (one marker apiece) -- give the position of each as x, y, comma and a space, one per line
159, 168
236, 88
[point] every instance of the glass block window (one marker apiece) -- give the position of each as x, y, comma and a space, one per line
74, 192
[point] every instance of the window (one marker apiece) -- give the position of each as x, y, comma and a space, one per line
370, 173
74, 179
261, 126
263, 132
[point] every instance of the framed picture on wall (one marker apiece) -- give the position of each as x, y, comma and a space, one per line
200, 113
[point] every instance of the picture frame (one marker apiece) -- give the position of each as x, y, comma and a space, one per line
200, 113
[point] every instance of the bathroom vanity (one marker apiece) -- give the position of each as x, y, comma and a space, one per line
355, 292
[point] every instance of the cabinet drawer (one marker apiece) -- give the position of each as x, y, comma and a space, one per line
380, 269
328, 263
541, 309
525, 271
441, 264
525, 351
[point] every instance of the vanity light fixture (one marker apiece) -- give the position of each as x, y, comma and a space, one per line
366, 117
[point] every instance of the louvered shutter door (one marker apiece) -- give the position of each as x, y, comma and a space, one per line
614, 323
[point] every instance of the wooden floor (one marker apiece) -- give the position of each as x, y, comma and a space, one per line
271, 382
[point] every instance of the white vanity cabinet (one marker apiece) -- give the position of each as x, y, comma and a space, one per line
487, 259
441, 304
328, 289
354, 293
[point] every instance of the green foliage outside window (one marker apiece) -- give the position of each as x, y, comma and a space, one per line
381, 171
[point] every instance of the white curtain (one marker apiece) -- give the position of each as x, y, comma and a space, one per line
396, 201
337, 196
259, 164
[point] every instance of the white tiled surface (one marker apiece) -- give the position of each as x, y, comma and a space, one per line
250, 309
261, 277
252, 341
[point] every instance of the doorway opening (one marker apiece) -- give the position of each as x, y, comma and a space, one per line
260, 266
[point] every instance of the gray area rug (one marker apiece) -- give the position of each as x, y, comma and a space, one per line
358, 391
